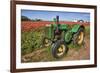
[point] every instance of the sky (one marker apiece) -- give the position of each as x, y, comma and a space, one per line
49, 15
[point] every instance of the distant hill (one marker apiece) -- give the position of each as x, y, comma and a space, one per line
25, 18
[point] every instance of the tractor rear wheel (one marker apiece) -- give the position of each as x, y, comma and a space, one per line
59, 48
79, 37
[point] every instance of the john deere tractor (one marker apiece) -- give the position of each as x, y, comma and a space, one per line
61, 35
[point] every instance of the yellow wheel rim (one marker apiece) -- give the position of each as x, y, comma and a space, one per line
61, 50
46, 40
47, 43
80, 37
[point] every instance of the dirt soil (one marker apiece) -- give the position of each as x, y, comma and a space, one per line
82, 54
42, 55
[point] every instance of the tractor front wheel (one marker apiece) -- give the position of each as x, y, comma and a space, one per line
46, 42
59, 48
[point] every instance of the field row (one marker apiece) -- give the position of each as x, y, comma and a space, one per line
28, 25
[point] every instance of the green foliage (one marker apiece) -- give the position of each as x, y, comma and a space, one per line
30, 40
74, 46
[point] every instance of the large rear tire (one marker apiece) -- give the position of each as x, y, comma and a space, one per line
59, 48
79, 37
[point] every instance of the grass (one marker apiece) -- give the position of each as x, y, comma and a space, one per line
30, 40
87, 31
73, 46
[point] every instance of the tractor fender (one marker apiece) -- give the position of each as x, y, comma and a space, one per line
68, 36
76, 27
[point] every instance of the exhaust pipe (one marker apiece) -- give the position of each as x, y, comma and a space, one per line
57, 18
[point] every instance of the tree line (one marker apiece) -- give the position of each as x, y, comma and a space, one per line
25, 18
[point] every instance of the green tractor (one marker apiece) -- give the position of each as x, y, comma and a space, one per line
61, 35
